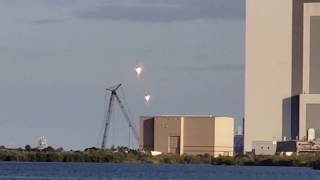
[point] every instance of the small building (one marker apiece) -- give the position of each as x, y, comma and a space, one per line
287, 147
264, 147
187, 135
42, 143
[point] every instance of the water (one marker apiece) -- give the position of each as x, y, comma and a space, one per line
89, 171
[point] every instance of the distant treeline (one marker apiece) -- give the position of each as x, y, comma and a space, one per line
125, 155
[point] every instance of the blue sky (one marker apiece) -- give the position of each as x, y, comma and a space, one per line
57, 57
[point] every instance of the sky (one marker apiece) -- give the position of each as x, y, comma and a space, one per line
57, 57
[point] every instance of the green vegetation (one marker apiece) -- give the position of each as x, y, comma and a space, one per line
298, 161
114, 155
125, 155
277, 160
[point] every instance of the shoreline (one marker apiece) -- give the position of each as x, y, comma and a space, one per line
124, 155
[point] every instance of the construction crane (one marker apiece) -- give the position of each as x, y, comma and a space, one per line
114, 96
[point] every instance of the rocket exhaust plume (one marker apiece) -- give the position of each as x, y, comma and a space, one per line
138, 71
147, 98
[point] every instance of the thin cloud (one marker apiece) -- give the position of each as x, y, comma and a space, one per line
164, 11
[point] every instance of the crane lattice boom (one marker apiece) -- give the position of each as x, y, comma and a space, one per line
114, 96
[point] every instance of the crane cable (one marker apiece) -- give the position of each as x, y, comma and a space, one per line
123, 94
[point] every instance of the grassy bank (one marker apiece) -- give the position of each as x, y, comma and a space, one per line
124, 155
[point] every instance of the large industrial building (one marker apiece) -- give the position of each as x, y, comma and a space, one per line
187, 134
282, 78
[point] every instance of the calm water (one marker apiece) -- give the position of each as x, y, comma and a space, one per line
81, 171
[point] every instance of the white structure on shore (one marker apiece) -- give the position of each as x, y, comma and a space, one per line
42, 143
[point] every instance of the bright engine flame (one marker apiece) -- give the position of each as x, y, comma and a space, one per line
147, 98
138, 70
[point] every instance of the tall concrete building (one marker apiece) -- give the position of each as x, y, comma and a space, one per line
187, 135
282, 79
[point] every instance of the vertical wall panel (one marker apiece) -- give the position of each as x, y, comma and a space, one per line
315, 55
313, 116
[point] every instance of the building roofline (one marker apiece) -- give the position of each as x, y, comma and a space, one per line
195, 116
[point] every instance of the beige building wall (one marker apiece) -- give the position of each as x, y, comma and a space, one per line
199, 135
305, 100
188, 134
166, 131
310, 48
311, 59
282, 61
268, 69
223, 136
